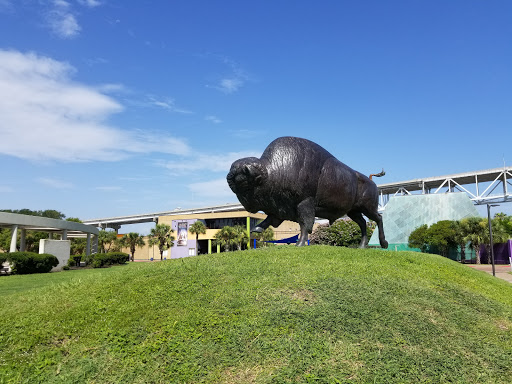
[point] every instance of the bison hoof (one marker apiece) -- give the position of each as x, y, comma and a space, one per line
257, 229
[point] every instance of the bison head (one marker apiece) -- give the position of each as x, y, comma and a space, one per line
244, 177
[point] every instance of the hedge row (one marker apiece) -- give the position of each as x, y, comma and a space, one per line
24, 263
105, 259
99, 260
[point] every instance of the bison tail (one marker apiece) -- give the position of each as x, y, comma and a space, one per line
378, 174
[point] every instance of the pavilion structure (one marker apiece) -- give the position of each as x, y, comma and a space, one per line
65, 229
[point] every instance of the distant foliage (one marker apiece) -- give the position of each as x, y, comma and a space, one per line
263, 237
24, 263
50, 213
444, 235
342, 233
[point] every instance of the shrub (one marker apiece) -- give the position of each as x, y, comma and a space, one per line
74, 260
66, 268
88, 259
342, 233
23, 263
105, 259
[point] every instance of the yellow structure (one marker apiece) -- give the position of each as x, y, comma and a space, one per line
185, 243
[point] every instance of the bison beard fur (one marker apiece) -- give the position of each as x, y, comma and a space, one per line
296, 179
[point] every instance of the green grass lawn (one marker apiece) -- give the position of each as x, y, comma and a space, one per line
278, 315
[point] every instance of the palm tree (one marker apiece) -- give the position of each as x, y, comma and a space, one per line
240, 236
225, 237
266, 235
133, 240
474, 231
198, 228
107, 241
162, 236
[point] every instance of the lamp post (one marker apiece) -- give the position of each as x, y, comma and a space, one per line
490, 235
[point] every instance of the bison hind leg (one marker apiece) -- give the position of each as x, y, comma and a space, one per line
359, 219
376, 216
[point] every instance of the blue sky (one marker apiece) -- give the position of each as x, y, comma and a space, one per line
111, 107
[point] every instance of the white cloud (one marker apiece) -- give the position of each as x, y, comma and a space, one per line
218, 189
213, 119
62, 21
233, 81
108, 188
55, 183
167, 104
47, 116
230, 85
212, 163
90, 3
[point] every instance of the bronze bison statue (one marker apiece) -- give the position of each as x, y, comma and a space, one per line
298, 180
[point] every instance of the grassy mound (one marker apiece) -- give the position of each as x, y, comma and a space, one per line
279, 315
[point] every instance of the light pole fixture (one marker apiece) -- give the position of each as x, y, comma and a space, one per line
490, 235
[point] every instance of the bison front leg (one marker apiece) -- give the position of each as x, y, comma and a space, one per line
269, 221
306, 219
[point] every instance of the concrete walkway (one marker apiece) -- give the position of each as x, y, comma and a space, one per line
502, 271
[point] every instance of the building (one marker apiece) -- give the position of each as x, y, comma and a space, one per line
185, 243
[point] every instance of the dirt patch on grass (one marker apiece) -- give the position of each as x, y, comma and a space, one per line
503, 324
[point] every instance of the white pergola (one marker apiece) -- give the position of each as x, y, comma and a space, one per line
66, 229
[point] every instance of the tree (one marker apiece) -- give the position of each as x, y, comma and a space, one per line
459, 239
161, 236
441, 236
240, 236
50, 213
107, 241
78, 246
5, 239
133, 240
198, 228
473, 229
225, 237
266, 235
418, 238
499, 234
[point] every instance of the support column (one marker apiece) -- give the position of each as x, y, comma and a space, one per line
95, 244
64, 234
218, 248
23, 243
14, 238
88, 246
248, 232
209, 246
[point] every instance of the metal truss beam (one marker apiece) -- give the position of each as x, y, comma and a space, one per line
482, 187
